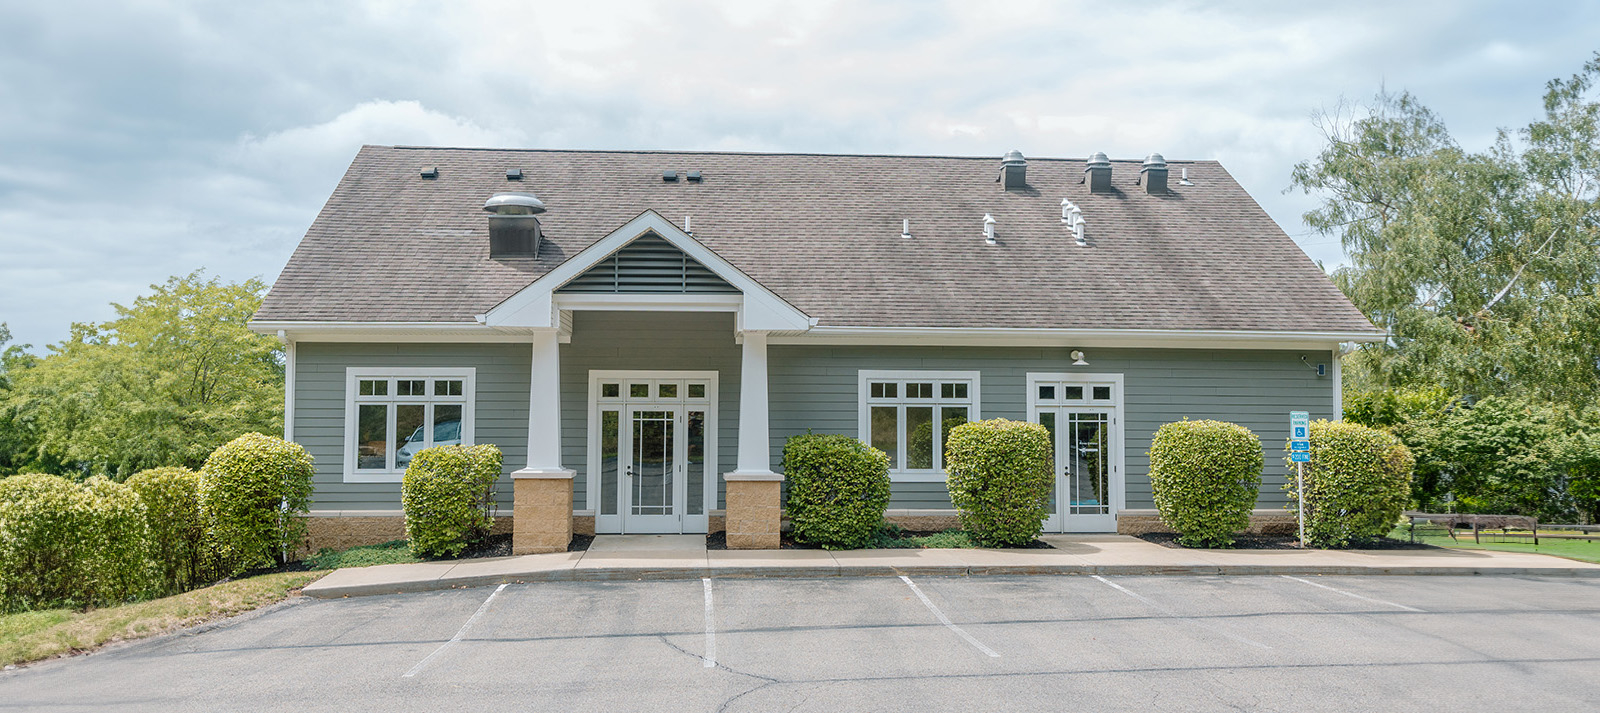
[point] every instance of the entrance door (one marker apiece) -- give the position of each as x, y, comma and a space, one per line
651, 434
652, 470
1081, 413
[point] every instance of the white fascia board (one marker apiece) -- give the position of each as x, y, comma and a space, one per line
1140, 338
535, 305
325, 331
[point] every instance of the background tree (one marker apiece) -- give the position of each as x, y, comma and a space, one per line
175, 375
1483, 266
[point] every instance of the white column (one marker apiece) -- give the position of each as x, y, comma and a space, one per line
288, 391
544, 410
755, 458
1338, 383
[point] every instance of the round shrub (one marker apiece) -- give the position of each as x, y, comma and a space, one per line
42, 519
116, 542
1000, 476
254, 493
171, 498
1204, 477
448, 496
838, 489
1357, 483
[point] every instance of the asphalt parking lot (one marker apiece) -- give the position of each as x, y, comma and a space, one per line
1168, 643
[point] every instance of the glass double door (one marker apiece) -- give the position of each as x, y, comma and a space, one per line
1088, 481
657, 478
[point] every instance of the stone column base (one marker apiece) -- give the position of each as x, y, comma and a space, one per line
541, 511
755, 511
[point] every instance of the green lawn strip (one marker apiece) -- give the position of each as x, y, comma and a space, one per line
393, 552
1581, 550
895, 540
35, 635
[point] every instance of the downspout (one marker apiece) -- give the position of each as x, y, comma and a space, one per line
1338, 382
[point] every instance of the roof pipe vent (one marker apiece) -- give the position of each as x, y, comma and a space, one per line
988, 229
1097, 173
1072, 216
513, 225
1013, 171
1154, 175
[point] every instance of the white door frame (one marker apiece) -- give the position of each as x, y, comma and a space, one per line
1060, 520
624, 405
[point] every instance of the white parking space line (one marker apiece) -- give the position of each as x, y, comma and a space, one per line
710, 659
946, 620
1352, 595
1180, 617
462, 632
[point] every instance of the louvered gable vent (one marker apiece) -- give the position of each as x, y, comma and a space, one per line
649, 264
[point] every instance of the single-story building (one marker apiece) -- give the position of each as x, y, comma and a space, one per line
640, 331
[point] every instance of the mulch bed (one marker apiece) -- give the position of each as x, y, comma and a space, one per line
719, 541
500, 546
1285, 542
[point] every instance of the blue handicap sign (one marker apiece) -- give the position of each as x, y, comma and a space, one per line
1300, 457
1299, 432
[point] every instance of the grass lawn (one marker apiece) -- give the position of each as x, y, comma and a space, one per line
34, 635
1583, 550
393, 552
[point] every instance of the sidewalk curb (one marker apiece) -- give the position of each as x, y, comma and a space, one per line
319, 590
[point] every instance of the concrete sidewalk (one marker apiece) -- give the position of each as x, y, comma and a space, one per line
677, 558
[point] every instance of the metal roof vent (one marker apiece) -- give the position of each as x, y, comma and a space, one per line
988, 229
669, 176
513, 174
1097, 173
1013, 171
430, 172
513, 225
1154, 175
694, 177
1072, 216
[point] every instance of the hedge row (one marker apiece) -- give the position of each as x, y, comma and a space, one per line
164, 531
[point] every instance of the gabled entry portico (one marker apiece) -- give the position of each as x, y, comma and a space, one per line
653, 450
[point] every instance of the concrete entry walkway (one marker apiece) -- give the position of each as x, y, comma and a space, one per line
648, 543
678, 557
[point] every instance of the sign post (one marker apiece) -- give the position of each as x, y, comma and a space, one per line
1300, 454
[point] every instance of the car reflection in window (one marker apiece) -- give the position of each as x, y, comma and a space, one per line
445, 433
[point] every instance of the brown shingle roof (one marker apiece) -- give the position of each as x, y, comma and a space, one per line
823, 232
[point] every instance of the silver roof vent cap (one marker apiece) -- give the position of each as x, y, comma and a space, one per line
1098, 160
514, 204
1013, 156
1155, 160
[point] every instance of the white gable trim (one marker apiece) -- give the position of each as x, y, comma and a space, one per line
537, 306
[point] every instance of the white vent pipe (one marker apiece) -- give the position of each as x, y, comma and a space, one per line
988, 229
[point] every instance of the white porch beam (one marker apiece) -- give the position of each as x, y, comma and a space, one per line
755, 457
544, 410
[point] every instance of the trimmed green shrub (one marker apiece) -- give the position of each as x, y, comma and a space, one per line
1357, 483
448, 496
116, 542
64, 544
254, 493
838, 489
171, 498
1204, 477
41, 543
1000, 474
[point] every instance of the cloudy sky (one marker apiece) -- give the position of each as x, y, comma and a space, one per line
140, 140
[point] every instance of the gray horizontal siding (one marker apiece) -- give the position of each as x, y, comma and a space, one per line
812, 388
500, 414
647, 341
815, 388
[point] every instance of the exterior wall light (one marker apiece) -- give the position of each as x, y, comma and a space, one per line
1077, 358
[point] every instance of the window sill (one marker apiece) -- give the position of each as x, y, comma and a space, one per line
371, 476
917, 476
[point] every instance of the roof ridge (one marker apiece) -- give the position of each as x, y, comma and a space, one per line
676, 152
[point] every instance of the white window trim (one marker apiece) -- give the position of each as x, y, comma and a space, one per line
864, 419
352, 377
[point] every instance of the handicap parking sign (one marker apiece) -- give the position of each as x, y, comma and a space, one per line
1300, 433
1300, 457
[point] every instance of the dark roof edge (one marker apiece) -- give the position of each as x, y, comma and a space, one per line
665, 152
